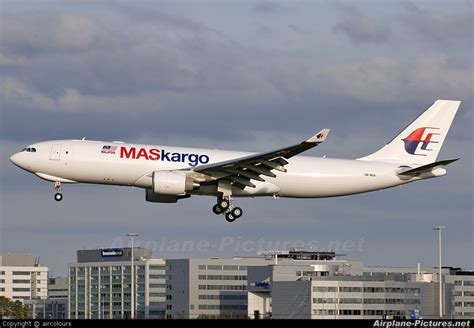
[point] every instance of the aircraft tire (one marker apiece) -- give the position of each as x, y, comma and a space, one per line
216, 209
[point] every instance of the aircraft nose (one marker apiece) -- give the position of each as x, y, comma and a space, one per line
15, 159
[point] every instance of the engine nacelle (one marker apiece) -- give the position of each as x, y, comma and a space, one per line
172, 183
156, 198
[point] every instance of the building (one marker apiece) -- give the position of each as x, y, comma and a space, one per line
22, 278
58, 288
335, 289
55, 306
208, 288
217, 288
462, 294
100, 284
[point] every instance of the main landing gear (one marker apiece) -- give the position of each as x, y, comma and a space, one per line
58, 196
224, 206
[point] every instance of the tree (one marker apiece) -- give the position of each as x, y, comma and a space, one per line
12, 309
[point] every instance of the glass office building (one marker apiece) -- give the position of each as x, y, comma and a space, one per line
100, 285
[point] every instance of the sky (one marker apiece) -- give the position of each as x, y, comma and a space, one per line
240, 75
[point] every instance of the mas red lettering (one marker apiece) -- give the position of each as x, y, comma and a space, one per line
142, 153
127, 154
154, 154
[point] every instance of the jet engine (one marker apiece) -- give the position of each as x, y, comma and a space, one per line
172, 183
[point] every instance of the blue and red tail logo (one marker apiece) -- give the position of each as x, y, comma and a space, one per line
416, 137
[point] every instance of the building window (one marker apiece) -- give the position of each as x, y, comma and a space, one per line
155, 276
350, 289
396, 290
241, 307
214, 267
324, 300
224, 297
374, 290
350, 301
21, 281
20, 273
222, 287
201, 267
324, 289
349, 312
21, 289
412, 290
374, 301
324, 312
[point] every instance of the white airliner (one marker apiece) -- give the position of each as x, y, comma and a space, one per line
171, 173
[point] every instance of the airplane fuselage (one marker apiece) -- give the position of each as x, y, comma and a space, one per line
116, 163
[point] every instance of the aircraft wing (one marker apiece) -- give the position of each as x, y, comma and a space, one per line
240, 171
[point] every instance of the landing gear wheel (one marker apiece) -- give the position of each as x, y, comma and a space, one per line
58, 197
229, 217
236, 212
223, 204
217, 209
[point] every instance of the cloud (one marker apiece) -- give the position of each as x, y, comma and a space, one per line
297, 29
445, 27
267, 7
36, 32
387, 79
361, 29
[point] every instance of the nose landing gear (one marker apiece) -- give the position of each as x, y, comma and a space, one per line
224, 206
58, 196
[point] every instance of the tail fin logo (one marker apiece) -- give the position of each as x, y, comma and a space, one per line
416, 137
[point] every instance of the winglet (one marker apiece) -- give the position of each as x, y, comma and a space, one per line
320, 136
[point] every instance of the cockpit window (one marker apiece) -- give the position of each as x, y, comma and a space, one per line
29, 150
33, 150
24, 149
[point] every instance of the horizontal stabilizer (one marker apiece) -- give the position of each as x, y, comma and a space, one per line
427, 167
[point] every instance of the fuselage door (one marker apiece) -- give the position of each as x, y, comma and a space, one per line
55, 152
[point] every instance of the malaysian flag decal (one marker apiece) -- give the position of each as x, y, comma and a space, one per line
109, 149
